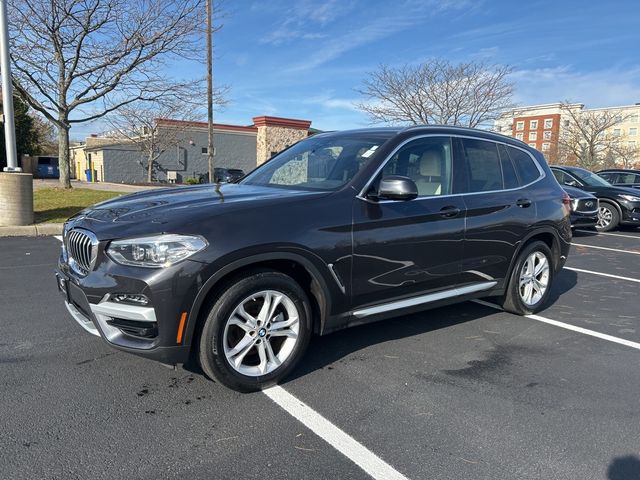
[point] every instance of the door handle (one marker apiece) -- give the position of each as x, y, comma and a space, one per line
523, 202
450, 211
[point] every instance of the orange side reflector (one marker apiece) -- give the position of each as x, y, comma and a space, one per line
183, 320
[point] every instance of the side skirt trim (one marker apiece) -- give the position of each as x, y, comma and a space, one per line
422, 299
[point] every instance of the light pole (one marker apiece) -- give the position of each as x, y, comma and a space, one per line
16, 188
7, 93
209, 92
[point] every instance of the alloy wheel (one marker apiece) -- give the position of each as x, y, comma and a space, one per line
604, 217
534, 278
261, 333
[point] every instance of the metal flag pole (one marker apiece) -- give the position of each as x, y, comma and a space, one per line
7, 93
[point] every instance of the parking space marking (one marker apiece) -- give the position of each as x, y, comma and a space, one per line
618, 277
610, 234
59, 237
568, 326
341, 441
605, 248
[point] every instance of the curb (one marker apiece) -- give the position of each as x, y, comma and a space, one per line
37, 230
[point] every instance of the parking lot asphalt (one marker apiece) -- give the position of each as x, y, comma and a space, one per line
462, 392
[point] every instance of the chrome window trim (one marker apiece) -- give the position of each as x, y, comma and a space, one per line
422, 299
362, 193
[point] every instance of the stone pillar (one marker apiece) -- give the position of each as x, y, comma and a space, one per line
16, 199
276, 133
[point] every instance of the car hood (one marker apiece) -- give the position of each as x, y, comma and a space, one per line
611, 191
168, 208
576, 192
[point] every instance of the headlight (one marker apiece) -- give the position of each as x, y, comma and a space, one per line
155, 252
631, 198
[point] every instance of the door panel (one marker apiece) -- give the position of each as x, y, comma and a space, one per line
405, 248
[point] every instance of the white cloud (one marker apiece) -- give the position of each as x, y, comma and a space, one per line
600, 88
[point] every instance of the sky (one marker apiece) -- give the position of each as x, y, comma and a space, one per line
306, 59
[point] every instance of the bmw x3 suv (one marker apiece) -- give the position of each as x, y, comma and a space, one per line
340, 229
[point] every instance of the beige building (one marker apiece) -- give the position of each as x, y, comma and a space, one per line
541, 127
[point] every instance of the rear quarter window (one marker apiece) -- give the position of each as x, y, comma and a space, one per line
525, 166
483, 165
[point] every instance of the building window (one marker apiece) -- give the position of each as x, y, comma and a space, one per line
205, 150
617, 132
519, 125
533, 135
533, 124
633, 132
546, 147
547, 135
632, 144
566, 123
520, 136
548, 123
532, 145
634, 118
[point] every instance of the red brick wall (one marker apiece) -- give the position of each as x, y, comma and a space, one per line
555, 130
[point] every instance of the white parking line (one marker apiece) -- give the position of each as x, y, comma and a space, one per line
568, 326
59, 237
605, 248
628, 279
610, 234
341, 441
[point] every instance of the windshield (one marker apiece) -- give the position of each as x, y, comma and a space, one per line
590, 179
318, 163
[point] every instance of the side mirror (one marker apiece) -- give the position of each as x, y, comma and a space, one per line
396, 187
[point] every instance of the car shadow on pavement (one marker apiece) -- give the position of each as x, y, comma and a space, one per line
329, 349
624, 468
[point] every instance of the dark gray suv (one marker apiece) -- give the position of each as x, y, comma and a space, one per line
340, 229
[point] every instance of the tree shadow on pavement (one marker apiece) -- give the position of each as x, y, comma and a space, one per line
624, 468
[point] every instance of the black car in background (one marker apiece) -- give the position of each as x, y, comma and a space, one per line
621, 177
223, 175
618, 205
341, 229
584, 207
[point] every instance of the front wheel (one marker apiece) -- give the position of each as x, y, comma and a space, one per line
530, 282
608, 217
256, 331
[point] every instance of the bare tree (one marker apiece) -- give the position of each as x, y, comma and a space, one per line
155, 127
587, 138
437, 92
77, 60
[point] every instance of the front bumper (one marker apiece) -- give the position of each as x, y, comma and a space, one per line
630, 213
150, 331
581, 219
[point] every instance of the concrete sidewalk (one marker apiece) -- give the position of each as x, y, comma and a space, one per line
105, 186
36, 230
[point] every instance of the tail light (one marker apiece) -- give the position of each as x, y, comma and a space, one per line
566, 202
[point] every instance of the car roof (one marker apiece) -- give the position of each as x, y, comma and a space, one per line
623, 170
430, 129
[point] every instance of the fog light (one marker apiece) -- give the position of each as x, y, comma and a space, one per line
130, 298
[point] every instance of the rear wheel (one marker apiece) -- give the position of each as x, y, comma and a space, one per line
608, 217
256, 331
530, 281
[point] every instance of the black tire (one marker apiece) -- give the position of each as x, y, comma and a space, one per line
211, 352
512, 300
607, 208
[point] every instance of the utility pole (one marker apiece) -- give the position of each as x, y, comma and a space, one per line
7, 93
209, 91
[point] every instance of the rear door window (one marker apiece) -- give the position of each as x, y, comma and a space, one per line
484, 173
525, 166
508, 171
